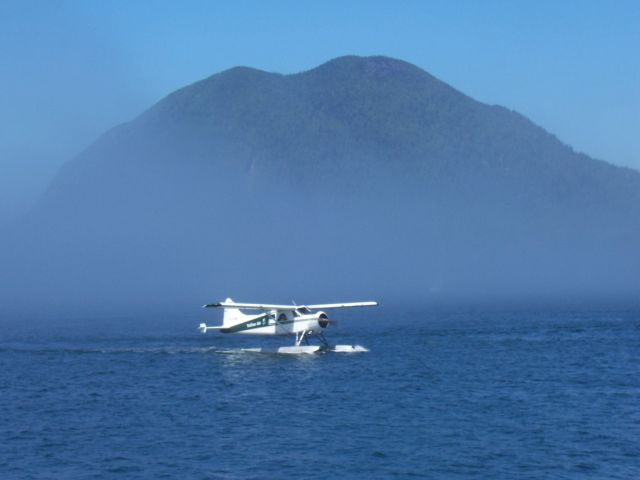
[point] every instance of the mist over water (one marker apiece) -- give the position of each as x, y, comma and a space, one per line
365, 178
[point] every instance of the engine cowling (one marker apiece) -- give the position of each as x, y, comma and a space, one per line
323, 320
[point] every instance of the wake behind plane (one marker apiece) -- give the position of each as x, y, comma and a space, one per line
305, 322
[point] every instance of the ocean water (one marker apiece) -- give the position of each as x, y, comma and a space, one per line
439, 395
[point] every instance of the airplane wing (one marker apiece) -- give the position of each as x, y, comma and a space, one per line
342, 305
251, 306
267, 307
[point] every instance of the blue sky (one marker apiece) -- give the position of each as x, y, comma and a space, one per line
69, 70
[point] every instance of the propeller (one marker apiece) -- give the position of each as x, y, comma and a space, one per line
325, 321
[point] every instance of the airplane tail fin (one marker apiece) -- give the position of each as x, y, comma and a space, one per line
232, 316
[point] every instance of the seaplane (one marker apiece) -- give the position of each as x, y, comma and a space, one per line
305, 322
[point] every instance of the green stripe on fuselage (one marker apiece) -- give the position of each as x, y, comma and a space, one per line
256, 322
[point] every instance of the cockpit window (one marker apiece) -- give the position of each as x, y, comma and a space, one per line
303, 311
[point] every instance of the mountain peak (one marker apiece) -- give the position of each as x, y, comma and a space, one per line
377, 66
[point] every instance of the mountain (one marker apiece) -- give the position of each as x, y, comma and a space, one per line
365, 176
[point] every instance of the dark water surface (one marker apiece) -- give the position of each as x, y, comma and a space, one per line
438, 396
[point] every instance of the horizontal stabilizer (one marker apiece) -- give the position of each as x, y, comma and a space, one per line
204, 328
